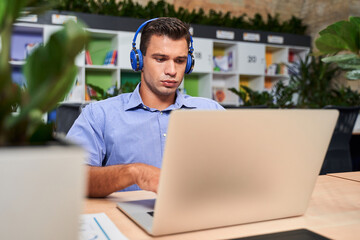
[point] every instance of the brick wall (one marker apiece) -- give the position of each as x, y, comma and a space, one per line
317, 14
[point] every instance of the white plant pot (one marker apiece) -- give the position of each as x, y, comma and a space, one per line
41, 192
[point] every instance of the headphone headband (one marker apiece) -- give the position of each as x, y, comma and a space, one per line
136, 57
139, 29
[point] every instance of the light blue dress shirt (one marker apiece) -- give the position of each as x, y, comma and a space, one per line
122, 130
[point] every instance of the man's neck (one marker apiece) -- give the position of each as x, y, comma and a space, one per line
152, 100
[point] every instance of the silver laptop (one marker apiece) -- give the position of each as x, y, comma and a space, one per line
224, 168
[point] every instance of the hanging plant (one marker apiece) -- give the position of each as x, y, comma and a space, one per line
128, 8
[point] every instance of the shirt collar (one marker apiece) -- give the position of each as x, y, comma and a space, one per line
136, 101
181, 101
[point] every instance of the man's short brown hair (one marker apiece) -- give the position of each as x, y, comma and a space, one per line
173, 28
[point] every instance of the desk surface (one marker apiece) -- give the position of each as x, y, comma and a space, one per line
334, 212
354, 176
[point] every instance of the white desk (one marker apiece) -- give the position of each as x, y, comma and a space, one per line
353, 176
334, 212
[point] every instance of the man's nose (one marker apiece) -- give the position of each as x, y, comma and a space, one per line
170, 68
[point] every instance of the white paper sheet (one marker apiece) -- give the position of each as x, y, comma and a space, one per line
98, 226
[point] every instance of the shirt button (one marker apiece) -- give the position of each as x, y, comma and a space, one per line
144, 107
164, 134
161, 113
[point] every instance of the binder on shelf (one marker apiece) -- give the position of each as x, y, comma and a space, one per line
114, 57
90, 92
223, 63
30, 48
268, 59
268, 83
87, 96
219, 94
276, 68
110, 58
291, 57
88, 58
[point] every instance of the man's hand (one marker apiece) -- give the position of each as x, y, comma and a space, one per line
146, 176
103, 181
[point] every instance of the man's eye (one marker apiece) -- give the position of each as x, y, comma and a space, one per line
180, 61
160, 59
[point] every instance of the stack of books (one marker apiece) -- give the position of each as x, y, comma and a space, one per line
111, 57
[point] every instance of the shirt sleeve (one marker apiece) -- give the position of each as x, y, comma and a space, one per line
87, 131
218, 106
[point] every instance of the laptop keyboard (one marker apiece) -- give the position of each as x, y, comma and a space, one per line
151, 213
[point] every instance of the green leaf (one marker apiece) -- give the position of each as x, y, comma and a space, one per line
50, 63
50, 71
339, 58
10, 11
355, 20
353, 75
347, 31
334, 29
351, 64
329, 43
345, 61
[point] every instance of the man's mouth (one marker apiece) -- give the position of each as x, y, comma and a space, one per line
169, 83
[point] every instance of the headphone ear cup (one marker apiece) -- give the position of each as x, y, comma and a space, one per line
190, 64
133, 61
136, 60
141, 62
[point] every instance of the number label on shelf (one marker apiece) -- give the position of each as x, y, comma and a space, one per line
275, 39
251, 59
225, 34
61, 19
255, 37
198, 55
32, 18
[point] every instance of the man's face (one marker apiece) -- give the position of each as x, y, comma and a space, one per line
164, 65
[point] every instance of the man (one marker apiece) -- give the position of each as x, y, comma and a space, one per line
125, 135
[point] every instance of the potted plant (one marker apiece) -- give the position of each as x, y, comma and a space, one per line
312, 82
341, 40
252, 98
309, 86
41, 182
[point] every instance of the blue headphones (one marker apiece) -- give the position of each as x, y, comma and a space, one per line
136, 57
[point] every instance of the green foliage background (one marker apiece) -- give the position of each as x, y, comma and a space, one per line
127, 8
341, 41
310, 87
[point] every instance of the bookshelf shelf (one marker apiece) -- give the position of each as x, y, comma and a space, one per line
224, 57
219, 64
224, 73
198, 85
24, 39
17, 75
101, 67
254, 82
17, 63
277, 75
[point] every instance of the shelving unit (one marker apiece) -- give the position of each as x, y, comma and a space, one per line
219, 63
198, 85
24, 39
